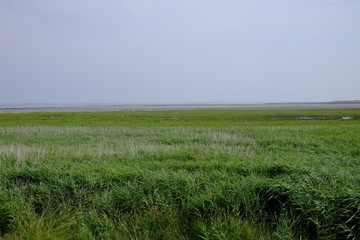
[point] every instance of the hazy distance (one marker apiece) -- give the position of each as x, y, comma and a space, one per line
167, 51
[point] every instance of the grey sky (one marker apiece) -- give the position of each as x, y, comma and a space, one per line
126, 51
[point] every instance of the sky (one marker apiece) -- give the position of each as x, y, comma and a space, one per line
170, 51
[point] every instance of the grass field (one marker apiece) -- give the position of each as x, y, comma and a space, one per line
211, 174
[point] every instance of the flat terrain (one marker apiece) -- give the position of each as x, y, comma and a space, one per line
181, 118
199, 106
180, 174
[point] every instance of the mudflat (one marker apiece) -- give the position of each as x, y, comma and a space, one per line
186, 106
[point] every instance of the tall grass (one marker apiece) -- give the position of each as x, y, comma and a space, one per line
245, 182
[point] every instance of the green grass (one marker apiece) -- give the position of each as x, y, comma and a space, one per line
188, 118
180, 175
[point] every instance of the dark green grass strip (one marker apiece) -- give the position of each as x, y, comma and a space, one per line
171, 118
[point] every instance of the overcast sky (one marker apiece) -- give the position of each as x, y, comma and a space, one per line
161, 51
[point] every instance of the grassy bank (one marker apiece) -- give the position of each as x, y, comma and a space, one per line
180, 175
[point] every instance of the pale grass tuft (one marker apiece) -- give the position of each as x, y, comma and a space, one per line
22, 153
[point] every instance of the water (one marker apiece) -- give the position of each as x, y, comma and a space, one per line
125, 107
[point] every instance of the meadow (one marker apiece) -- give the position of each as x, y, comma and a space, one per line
199, 174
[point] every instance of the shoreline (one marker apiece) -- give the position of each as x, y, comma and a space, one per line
186, 106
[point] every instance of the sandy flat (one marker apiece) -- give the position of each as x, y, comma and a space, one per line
128, 107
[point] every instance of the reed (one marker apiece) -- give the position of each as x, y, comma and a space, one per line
254, 181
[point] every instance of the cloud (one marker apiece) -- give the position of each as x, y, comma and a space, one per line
165, 50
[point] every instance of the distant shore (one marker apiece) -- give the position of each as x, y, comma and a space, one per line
186, 106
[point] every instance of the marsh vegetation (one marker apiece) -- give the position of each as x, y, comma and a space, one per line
180, 175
